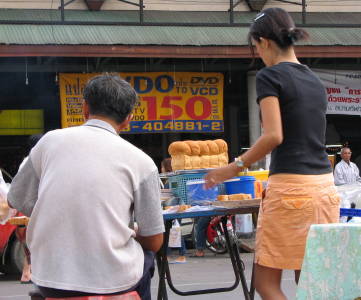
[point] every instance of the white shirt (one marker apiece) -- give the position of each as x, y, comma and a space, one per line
83, 187
346, 173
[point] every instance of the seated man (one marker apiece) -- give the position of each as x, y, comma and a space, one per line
82, 188
346, 172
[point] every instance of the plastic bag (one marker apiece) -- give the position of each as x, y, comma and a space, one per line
5, 211
349, 193
175, 235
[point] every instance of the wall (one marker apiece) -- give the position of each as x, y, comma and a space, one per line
191, 5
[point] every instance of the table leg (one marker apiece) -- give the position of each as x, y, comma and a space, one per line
161, 263
235, 258
252, 288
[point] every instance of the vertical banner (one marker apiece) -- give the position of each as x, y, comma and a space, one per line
343, 91
169, 102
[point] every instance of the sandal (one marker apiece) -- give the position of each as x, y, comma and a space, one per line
198, 254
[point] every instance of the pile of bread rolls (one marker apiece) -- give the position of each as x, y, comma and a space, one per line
234, 197
189, 155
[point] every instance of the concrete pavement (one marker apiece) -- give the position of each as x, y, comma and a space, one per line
198, 273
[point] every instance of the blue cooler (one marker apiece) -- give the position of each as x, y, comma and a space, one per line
240, 185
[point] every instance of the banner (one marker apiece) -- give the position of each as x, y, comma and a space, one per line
169, 102
21, 122
343, 91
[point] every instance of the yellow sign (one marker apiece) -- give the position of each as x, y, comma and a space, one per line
21, 122
183, 102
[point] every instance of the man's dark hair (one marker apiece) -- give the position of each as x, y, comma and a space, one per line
277, 25
110, 96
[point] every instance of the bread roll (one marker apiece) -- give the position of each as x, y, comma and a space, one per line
183, 207
213, 147
189, 155
213, 161
223, 159
177, 148
222, 145
195, 149
195, 161
181, 162
203, 147
239, 197
222, 197
205, 161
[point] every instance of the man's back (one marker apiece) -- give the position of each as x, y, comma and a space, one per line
80, 235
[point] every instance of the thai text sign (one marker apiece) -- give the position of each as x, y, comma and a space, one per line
343, 91
169, 102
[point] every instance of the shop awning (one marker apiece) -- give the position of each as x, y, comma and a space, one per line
23, 31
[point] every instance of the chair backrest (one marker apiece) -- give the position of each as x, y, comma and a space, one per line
128, 296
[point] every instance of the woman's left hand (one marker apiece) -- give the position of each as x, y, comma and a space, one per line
219, 175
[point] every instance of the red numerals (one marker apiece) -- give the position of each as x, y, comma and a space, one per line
152, 107
176, 111
206, 111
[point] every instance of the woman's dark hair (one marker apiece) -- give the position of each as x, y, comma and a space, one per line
277, 25
166, 164
110, 96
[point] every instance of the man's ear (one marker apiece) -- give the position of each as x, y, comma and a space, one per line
126, 122
85, 110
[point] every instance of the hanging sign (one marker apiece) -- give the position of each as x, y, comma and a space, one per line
343, 91
169, 102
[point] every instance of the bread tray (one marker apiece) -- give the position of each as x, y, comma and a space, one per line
238, 203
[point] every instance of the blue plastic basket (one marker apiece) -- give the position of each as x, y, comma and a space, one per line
178, 181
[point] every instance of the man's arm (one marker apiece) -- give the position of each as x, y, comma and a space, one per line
148, 213
338, 175
357, 171
23, 192
152, 243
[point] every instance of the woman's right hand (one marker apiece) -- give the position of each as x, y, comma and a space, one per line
219, 175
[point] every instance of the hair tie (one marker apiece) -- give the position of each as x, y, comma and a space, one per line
259, 16
291, 35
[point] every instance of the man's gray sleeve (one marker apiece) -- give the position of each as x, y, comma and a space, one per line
23, 192
147, 206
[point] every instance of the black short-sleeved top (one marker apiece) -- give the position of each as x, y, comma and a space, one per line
303, 104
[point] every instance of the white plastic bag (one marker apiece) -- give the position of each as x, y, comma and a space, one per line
349, 193
5, 211
175, 235
244, 224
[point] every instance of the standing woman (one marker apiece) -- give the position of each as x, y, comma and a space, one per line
300, 188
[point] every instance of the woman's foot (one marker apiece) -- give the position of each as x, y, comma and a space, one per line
179, 260
26, 275
198, 253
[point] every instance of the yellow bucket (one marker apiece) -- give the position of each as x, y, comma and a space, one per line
259, 175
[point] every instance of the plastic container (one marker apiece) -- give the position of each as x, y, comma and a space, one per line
259, 175
242, 184
179, 179
196, 193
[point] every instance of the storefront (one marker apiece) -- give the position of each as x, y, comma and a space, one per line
208, 65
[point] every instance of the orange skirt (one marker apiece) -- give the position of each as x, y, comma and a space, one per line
292, 204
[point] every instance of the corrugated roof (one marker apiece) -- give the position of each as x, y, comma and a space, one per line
168, 16
154, 35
